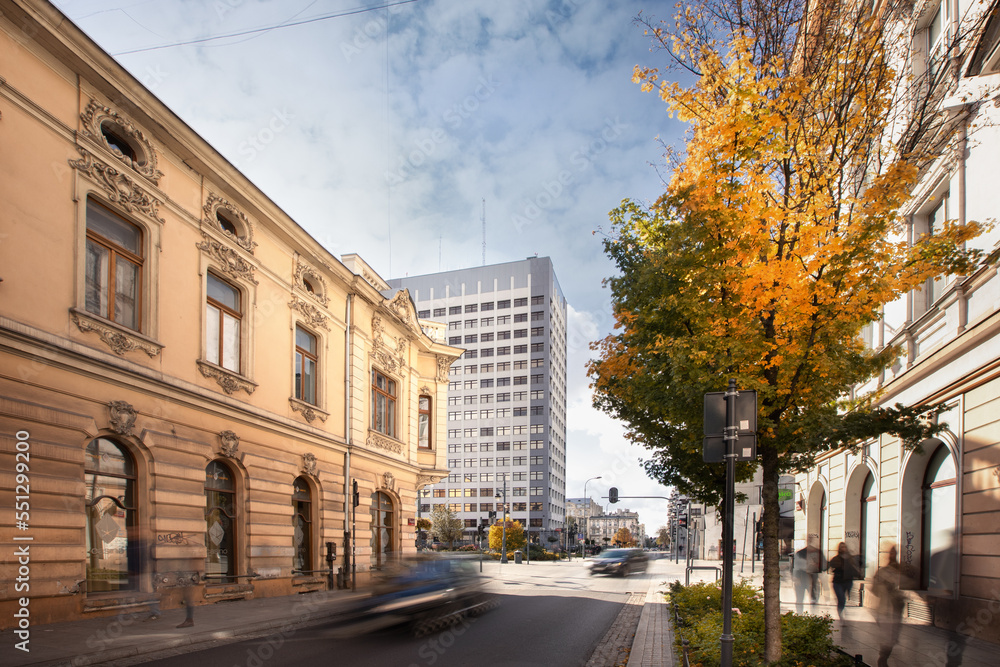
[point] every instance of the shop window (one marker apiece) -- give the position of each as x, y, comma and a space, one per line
302, 535
220, 519
113, 550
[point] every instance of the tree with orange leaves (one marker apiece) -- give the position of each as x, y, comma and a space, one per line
779, 236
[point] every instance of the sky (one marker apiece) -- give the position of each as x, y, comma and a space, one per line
394, 131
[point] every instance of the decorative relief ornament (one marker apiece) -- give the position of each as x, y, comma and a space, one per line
96, 115
305, 272
424, 389
391, 357
313, 315
309, 463
119, 341
306, 410
424, 480
231, 261
229, 444
444, 365
402, 308
229, 381
245, 238
380, 441
119, 187
387, 479
122, 417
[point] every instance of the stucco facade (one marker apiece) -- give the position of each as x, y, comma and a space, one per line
191, 381
941, 505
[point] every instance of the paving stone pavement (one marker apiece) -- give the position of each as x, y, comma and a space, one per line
614, 647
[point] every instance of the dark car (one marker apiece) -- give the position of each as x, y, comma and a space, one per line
428, 594
620, 561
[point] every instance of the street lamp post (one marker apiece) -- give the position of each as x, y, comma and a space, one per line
503, 517
583, 550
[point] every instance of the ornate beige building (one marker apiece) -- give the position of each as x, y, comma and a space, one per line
190, 385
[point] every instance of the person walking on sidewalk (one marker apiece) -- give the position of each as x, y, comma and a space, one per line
190, 580
887, 586
845, 571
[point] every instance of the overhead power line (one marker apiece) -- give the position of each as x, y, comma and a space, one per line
277, 26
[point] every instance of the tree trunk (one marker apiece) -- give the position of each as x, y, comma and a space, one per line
772, 573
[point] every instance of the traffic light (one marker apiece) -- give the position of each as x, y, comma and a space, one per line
682, 521
482, 528
493, 514
613, 494
357, 494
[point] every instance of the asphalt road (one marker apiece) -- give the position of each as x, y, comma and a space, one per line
550, 614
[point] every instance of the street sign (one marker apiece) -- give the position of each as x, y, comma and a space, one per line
715, 412
715, 448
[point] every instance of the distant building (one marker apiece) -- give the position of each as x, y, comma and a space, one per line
506, 395
581, 509
195, 386
604, 526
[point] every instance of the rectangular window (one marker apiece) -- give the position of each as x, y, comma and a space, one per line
486, 432
503, 397
538, 316
503, 366
520, 379
486, 368
454, 448
486, 463
537, 394
503, 430
486, 383
424, 422
454, 340
470, 463
469, 384
486, 337
454, 386
423, 314
470, 354
538, 347
521, 412
223, 320
486, 306
521, 333
439, 493
538, 476
520, 349
520, 491
503, 335
486, 447
472, 308
470, 324
523, 301
454, 478
520, 507
538, 444
486, 414
503, 351
520, 317
521, 365
469, 400
454, 400
485, 507
469, 477
520, 429
503, 446
383, 404
487, 352
439, 312
456, 325
537, 460
454, 416
470, 414
113, 275
471, 523
538, 429
503, 413
469, 433
537, 491
469, 370
485, 477
454, 463
455, 507
503, 304
455, 310
538, 409
520, 460
454, 432
425, 507
520, 395
537, 363
503, 461
535, 522
520, 477
486, 398
470, 447
538, 300
305, 366
503, 319
503, 382
537, 331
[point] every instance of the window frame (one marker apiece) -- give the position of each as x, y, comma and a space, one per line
297, 372
224, 310
392, 404
425, 421
108, 286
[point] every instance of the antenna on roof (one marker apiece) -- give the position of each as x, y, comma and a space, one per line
484, 231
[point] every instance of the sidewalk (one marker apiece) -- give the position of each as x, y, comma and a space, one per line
102, 640
919, 645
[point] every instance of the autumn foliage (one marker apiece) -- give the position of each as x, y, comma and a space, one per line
779, 236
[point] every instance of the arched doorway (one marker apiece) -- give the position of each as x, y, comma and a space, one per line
939, 498
816, 519
868, 554
383, 532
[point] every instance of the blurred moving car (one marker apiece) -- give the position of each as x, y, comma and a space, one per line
427, 593
621, 562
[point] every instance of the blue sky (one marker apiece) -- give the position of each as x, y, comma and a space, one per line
381, 132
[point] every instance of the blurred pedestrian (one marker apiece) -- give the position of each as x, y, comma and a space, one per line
887, 586
190, 581
845, 571
808, 563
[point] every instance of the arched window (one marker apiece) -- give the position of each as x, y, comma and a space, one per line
424, 422
113, 561
302, 537
939, 489
220, 517
816, 519
868, 556
382, 529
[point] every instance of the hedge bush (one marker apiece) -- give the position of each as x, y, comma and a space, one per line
805, 640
